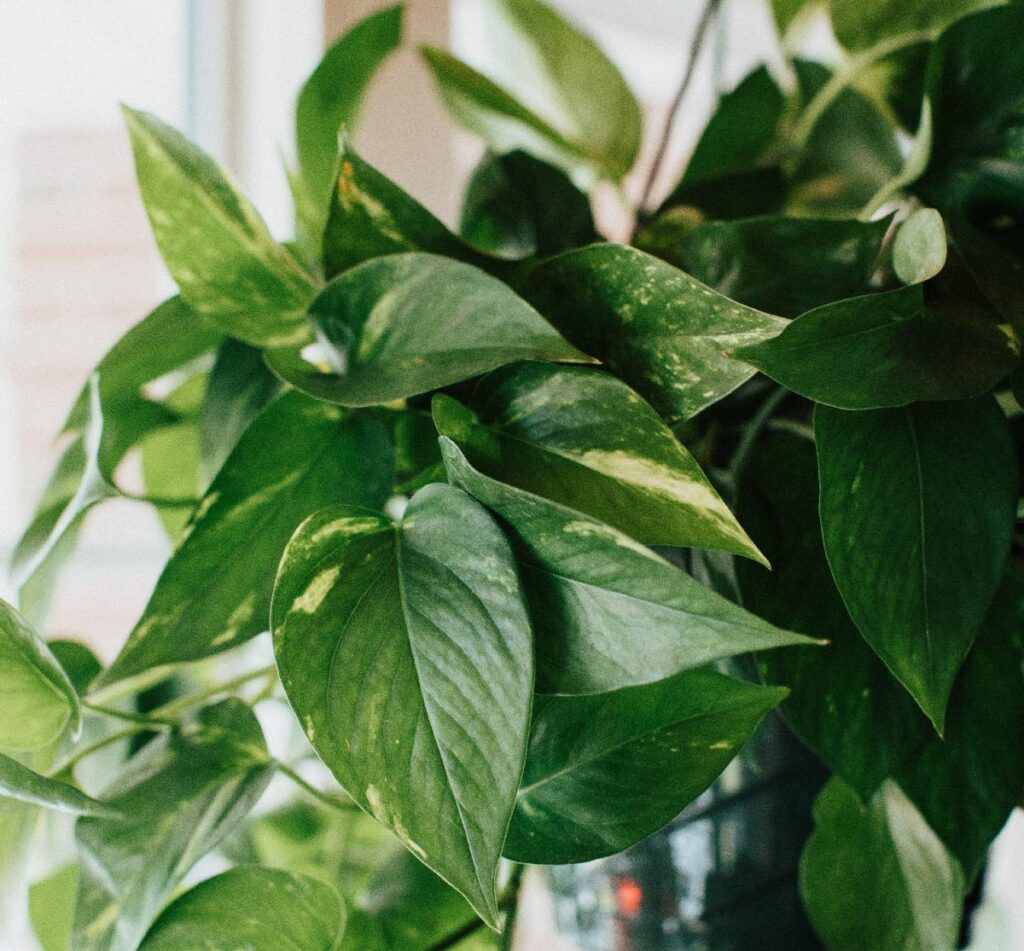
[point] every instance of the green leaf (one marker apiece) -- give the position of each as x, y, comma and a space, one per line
586, 440
843, 703
170, 472
876, 876
737, 139
605, 771
863, 24
240, 388
214, 593
553, 92
51, 906
410, 323
181, 795
919, 248
917, 535
39, 702
331, 99
889, 349
370, 216
21, 783
252, 908
657, 328
967, 784
215, 244
607, 612
780, 265
516, 205
405, 651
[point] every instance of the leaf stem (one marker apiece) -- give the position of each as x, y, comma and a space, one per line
707, 15
183, 704
326, 799
131, 717
512, 893
753, 431
160, 501
104, 741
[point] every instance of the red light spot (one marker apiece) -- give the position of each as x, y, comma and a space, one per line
629, 897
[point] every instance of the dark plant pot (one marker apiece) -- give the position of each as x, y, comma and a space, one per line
722, 877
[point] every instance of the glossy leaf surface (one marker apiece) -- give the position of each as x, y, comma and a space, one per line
214, 593
406, 324
39, 702
605, 771
887, 349
656, 327
843, 702
19, 782
215, 244
607, 612
180, 796
919, 248
915, 534
876, 876
251, 909
405, 651
582, 438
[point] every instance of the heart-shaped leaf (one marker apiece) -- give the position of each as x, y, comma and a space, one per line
296, 457
405, 651
605, 771
258, 909
584, 439
657, 328
409, 323
916, 534
607, 612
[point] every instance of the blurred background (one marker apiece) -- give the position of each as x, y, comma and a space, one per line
78, 265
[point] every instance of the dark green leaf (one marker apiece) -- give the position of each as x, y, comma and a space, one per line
607, 612
843, 703
863, 24
51, 907
876, 876
21, 783
919, 248
181, 795
78, 662
657, 328
296, 457
240, 387
251, 909
888, 349
917, 509
410, 323
554, 93
370, 216
780, 265
331, 99
516, 205
584, 439
39, 702
215, 244
966, 786
405, 651
605, 771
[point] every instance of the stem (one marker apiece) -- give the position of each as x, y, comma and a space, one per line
129, 731
182, 704
142, 718
326, 799
160, 501
753, 431
512, 893
708, 14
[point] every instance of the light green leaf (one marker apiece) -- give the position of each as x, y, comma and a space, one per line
657, 328
331, 99
843, 703
251, 909
876, 876
51, 906
919, 248
181, 795
214, 593
888, 349
370, 216
215, 244
170, 472
605, 771
607, 612
553, 92
410, 323
516, 205
586, 440
864, 24
21, 783
917, 535
39, 702
405, 651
